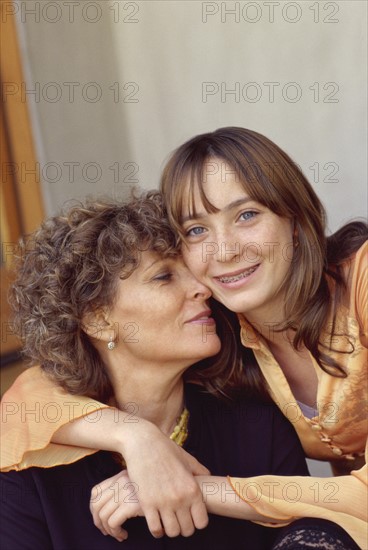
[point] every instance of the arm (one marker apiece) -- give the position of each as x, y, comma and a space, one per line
284, 455
116, 500
32, 436
42, 425
290, 494
222, 499
342, 500
32, 410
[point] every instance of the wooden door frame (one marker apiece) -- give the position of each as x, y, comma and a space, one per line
21, 194
18, 127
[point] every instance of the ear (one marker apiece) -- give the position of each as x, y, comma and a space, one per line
96, 324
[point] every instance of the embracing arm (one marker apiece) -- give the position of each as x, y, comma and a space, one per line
42, 425
117, 499
221, 499
32, 410
339, 499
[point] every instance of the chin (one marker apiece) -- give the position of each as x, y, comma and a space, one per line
215, 348
241, 304
209, 351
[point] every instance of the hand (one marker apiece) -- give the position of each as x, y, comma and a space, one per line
113, 502
163, 473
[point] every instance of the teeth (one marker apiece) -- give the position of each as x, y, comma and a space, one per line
242, 275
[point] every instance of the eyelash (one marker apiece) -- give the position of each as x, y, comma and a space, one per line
251, 213
164, 277
190, 233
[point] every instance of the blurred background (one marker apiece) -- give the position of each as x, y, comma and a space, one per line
96, 94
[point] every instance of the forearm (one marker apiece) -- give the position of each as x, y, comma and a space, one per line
32, 411
221, 499
107, 429
342, 500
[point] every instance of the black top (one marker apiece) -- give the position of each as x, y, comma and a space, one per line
48, 509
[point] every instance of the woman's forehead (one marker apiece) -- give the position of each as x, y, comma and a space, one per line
210, 195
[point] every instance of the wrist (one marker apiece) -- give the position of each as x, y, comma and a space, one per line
131, 432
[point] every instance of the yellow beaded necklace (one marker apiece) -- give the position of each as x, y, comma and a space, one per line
179, 435
180, 432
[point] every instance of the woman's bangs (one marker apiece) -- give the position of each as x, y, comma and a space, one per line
187, 184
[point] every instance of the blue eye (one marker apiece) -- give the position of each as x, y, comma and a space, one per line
248, 215
194, 231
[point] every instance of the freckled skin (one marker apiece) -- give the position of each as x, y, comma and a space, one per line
244, 238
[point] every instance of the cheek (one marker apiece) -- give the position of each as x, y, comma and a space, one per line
193, 259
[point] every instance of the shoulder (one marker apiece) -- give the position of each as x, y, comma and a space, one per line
356, 264
361, 262
360, 258
356, 276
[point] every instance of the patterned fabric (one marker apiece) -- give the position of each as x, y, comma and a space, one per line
309, 534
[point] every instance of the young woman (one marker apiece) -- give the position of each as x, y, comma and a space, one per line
84, 280
254, 231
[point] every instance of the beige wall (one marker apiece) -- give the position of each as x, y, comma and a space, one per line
178, 61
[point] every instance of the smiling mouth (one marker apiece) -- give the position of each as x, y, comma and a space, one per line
233, 278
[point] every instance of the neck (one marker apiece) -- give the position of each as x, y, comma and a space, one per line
269, 329
155, 392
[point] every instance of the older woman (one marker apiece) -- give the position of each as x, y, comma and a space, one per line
109, 311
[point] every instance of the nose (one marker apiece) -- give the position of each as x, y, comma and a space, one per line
204, 293
226, 247
196, 289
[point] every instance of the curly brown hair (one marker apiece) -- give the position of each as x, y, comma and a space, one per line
71, 266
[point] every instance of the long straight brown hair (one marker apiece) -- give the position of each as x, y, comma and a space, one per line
271, 178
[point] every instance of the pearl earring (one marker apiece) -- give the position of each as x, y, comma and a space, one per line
111, 344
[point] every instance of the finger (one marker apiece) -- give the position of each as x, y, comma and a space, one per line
154, 523
103, 485
115, 528
95, 509
101, 493
199, 514
185, 521
101, 518
170, 523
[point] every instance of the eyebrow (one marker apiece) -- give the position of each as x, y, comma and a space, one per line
230, 206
